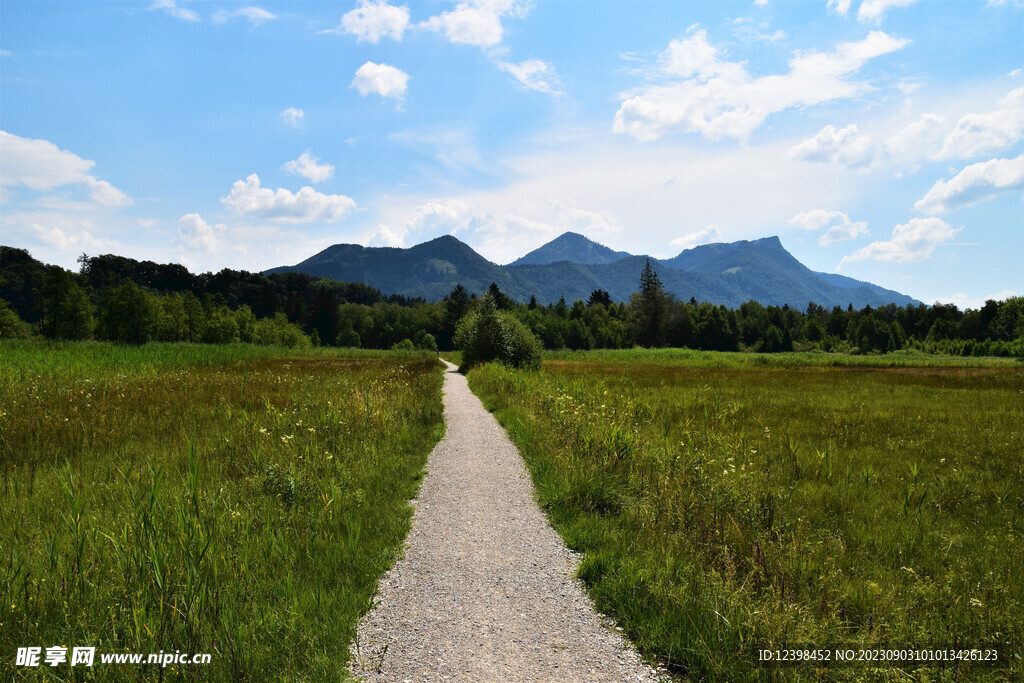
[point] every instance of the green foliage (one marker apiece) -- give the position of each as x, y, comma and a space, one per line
221, 327
724, 502
348, 337
61, 305
649, 309
491, 335
11, 326
277, 331
404, 345
234, 500
67, 311
427, 343
129, 314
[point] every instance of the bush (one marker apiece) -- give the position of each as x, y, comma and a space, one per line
489, 334
404, 345
277, 331
427, 343
11, 326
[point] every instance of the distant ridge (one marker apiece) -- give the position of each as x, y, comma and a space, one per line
572, 247
573, 266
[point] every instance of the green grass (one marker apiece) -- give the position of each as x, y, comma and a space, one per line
239, 501
723, 503
716, 359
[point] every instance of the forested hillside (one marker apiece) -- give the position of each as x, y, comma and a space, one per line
120, 299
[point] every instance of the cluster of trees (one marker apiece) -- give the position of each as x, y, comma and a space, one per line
123, 300
488, 334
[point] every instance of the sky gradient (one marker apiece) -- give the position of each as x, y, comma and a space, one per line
879, 138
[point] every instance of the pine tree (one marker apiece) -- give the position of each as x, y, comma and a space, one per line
651, 309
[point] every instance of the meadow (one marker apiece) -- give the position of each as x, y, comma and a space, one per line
724, 503
234, 500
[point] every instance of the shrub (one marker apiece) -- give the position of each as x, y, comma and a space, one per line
427, 343
11, 326
489, 334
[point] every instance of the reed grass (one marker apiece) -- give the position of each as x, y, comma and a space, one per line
233, 500
723, 505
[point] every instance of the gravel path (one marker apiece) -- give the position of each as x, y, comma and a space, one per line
485, 588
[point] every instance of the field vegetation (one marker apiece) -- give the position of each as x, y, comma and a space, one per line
728, 502
234, 500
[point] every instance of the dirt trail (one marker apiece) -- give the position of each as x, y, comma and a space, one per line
485, 588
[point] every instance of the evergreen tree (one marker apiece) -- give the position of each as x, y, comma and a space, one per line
323, 315
456, 305
650, 309
501, 302
599, 296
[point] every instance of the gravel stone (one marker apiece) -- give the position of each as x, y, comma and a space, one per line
485, 589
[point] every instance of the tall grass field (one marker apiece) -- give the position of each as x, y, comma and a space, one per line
725, 504
232, 500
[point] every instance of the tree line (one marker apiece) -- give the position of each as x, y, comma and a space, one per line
122, 300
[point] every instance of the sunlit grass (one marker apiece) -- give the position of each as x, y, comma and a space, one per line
241, 501
722, 505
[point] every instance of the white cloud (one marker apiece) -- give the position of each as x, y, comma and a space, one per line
840, 7
382, 79
476, 22
720, 99
582, 181
445, 217
847, 146
373, 20
915, 141
148, 223
843, 232
283, 206
171, 9
975, 183
386, 237
963, 301
254, 15
40, 165
928, 137
998, 129
570, 217
196, 234
705, 236
751, 30
293, 117
911, 242
309, 167
103, 193
5, 53
840, 227
817, 219
70, 240
455, 147
533, 74
873, 11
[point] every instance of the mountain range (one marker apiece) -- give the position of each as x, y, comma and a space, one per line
572, 266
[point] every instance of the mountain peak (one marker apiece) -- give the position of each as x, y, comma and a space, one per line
573, 266
572, 247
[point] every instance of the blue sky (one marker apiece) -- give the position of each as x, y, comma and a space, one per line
878, 138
